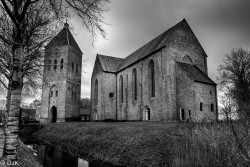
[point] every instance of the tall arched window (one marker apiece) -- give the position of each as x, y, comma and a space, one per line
76, 67
121, 88
96, 93
212, 107
72, 66
201, 107
55, 64
61, 63
134, 84
151, 77
49, 65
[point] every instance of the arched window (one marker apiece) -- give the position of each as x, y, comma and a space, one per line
121, 88
201, 107
151, 77
72, 94
96, 93
61, 63
55, 64
51, 93
56, 93
75, 95
134, 84
72, 66
49, 65
183, 117
187, 59
212, 107
76, 67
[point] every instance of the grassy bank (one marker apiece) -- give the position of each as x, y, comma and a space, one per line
146, 143
25, 157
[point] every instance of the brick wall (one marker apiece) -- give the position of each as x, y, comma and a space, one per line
96, 75
63, 80
206, 94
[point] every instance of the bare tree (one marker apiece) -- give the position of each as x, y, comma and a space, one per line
227, 103
234, 75
17, 11
85, 103
236, 72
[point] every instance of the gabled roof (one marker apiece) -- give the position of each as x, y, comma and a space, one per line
64, 37
195, 73
108, 63
113, 64
152, 46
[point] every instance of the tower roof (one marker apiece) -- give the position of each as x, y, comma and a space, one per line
64, 37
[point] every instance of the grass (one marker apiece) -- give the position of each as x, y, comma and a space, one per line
146, 143
25, 157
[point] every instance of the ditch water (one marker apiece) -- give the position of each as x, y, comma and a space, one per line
54, 156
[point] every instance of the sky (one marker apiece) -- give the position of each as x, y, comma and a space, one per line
219, 25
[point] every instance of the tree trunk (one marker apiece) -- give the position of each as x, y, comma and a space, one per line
8, 96
11, 130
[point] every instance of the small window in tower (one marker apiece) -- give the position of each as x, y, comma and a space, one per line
56, 93
75, 95
49, 65
55, 64
51, 93
212, 107
61, 64
201, 107
76, 67
72, 94
72, 66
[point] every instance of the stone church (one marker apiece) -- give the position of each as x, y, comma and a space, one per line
165, 79
61, 79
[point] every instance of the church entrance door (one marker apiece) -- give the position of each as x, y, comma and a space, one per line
147, 113
53, 112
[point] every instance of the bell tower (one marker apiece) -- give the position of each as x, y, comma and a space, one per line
61, 88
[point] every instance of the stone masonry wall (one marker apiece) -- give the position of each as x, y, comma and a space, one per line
108, 102
154, 103
96, 75
185, 43
54, 77
206, 94
185, 94
73, 83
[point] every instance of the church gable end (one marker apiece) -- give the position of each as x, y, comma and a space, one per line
186, 45
97, 67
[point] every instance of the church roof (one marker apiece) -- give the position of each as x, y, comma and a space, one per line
109, 64
152, 46
195, 73
64, 37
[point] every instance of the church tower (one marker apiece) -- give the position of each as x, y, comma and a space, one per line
61, 88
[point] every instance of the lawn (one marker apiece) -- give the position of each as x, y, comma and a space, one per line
145, 143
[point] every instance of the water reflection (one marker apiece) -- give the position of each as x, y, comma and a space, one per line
54, 156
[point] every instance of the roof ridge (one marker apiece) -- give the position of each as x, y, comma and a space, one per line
109, 56
149, 47
67, 36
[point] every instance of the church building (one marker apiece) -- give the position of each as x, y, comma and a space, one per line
61, 88
165, 79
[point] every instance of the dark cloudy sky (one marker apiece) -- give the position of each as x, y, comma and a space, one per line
219, 25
